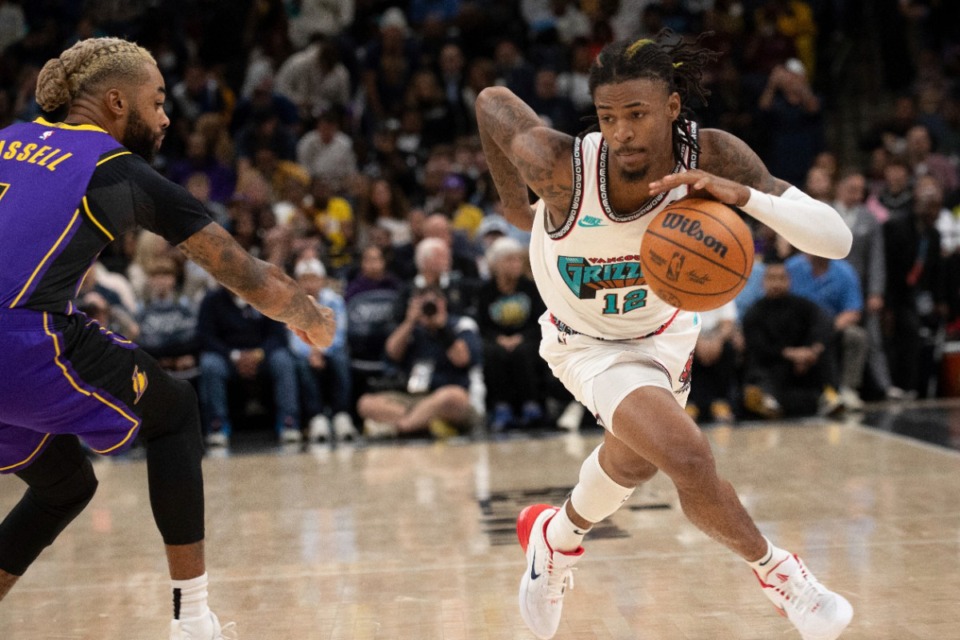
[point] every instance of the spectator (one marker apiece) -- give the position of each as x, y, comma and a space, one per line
315, 80
389, 62
835, 287
168, 322
201, 159
434, 269
894, 200
794, 122
509, 308
324, 373
332, 216
436, 351
715, 365
453, 82
200, 92
786, 339
915, 283
558, 111
453, 204
264, 97
238, 342
372, 276
320, 16
924, 159
463, 262
327, 152
867, 259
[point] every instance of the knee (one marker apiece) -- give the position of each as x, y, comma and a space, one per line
71, 493
213, 364
691, 467
453, 398
365, 405
174, 408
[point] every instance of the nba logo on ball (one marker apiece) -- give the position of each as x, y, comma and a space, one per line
675, 267
710, 251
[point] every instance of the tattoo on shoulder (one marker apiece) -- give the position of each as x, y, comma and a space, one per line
730, 157
541, 169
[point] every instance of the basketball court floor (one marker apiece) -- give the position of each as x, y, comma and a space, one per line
416, 541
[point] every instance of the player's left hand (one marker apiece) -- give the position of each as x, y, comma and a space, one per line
704, 184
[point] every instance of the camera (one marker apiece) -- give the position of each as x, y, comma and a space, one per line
428, 308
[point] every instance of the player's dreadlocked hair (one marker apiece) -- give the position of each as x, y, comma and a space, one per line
667, 58
88, 62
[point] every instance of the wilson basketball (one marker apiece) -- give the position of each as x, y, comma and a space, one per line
697, 254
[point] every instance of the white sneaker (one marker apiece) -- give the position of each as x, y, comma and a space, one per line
571, 417
816, 612
218, 439
851, 399
205, 628
548, 572
377, 430
290, 435
319, 428
343, 428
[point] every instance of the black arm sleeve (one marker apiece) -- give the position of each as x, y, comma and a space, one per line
125, 192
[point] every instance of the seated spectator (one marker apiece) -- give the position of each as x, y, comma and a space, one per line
372, 276
464, 217
835, 287
327, 152
315, 79
509, 307
201, 159
434, 269
324, 369
436, 351
786, 340
238, 342
168, 322
715, 363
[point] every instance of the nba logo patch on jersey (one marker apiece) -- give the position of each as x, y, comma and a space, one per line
46, 134
139, 383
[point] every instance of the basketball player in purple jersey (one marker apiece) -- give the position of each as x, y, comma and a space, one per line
66, 191
621, 351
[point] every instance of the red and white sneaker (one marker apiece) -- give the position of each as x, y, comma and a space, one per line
816, 612
548, 572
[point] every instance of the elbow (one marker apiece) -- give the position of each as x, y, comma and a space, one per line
840, 247
489, 96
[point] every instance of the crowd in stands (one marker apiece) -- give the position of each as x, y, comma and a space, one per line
338, 140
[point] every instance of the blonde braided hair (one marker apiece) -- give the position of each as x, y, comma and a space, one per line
83, 66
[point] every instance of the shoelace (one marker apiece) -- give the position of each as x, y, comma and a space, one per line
229, 631
807, 595
558, 580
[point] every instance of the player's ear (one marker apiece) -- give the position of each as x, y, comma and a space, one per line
116, 102
673, 105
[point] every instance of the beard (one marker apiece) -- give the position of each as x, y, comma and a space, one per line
140, 138
637, 175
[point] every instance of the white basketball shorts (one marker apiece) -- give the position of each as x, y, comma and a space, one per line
601, 373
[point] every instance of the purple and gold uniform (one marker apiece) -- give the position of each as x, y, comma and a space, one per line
66, 192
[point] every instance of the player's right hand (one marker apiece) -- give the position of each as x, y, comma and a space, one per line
320, 332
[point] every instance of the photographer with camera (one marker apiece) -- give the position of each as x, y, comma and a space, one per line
436, 351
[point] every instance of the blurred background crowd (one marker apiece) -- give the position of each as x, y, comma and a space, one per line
337, 139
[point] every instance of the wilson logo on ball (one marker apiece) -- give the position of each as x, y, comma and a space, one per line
693, 229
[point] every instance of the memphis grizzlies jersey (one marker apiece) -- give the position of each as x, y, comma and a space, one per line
588, 269
66, 191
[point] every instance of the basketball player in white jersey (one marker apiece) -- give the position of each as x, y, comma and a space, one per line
621, 351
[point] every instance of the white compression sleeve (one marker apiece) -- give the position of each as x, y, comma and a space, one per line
806, 223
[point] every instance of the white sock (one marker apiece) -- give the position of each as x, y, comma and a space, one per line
773, 557
562, 533
190, 598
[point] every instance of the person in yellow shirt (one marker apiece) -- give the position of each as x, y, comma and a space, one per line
333, 217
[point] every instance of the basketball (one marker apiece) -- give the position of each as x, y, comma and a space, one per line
697, 254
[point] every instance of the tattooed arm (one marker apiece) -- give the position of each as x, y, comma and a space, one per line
263, 285
521, 151
733, 173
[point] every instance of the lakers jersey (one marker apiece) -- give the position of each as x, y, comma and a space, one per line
588, 269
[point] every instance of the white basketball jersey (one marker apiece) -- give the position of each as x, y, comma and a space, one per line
588, 269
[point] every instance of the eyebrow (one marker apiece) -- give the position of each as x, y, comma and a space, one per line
637, 103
